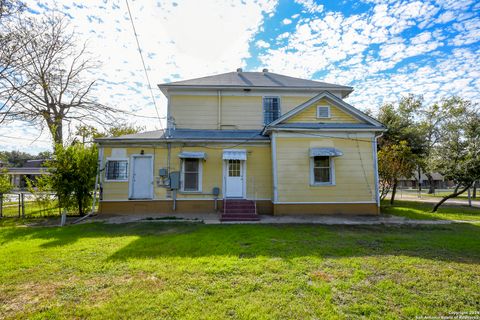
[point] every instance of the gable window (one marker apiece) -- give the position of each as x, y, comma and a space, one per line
117, 170
323, 112
322, 170
192, 174
271, 109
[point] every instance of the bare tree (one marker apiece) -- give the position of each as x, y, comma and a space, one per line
45, 83
10, 7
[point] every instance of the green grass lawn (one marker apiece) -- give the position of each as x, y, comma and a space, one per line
179, 270
422, 211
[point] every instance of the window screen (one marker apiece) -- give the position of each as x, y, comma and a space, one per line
190, 174
321, 170
117, 170
271, 109
323, 112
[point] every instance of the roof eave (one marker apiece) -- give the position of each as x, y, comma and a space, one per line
346, 90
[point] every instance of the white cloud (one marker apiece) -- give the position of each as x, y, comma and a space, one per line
310, 6
286, 21
180, 40
262, 44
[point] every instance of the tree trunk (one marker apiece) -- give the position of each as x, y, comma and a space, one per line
431, 184
419, 181
394, 191
453, 195
80, 206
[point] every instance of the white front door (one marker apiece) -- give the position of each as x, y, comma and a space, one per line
141, 177
234, 178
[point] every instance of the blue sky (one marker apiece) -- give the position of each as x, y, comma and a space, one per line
384, 49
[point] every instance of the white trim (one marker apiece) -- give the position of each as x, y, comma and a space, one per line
116, 159
375, 169
200, 176
329, 114
130, 183
254, 91
315, 134
332, 202
274, 165
179, 198
332, 175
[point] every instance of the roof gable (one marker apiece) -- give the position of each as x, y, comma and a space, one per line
332, 100
336, 115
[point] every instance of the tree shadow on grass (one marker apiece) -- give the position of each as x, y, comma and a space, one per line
456, 242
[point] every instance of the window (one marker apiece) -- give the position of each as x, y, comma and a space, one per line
271, 109
234, 168
322, 171
192, 175
117, 170
323, 112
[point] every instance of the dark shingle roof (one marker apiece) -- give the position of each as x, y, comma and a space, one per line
190, 135
254, 79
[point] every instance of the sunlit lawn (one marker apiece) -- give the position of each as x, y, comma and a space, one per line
422, 211
155, 270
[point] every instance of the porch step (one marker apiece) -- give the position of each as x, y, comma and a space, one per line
239, 218
239, 210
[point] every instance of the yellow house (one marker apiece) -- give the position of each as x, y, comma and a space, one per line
243, 143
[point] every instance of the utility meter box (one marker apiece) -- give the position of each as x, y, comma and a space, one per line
163, 172
216, 191
175, 180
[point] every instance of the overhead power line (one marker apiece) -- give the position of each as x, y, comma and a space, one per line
143, 63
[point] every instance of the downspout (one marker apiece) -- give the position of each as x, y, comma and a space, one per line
375, 167
274, 168
219, 109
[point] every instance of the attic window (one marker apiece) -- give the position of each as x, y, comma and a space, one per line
323, 112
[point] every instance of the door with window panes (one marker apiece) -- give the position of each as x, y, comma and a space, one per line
234, 178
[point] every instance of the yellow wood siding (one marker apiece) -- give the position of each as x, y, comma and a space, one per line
194, 112
258, 172
242, 112
309, 115
354, 174
237, 112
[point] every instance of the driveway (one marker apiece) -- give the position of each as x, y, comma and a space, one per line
427, 199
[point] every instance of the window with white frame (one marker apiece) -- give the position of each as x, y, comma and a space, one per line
322, 170
323, 111
191, 174
271, 109
116, 170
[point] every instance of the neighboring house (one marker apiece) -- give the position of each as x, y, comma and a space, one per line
439, 182
30, 171
261, 141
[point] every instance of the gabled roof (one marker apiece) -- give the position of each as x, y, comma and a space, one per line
372, 123
248, 80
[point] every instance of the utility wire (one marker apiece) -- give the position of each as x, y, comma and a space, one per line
143, 63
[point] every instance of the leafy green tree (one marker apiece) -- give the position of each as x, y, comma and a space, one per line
457, 155
394, 161
403, 131
5, 187
73, 174
431, 125
88, 133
